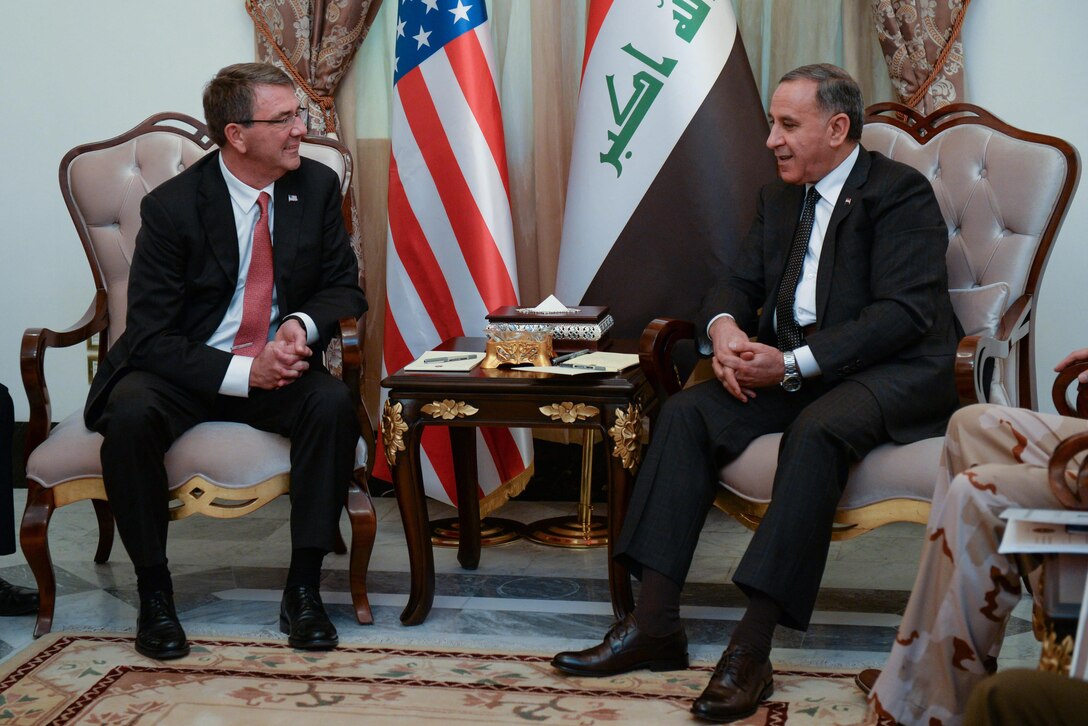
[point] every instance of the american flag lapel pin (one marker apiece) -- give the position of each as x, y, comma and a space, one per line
294, 198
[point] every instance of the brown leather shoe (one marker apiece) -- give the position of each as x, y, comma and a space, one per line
867, 679
626, 648
740, 682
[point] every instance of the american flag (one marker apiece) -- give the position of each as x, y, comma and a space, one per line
450, 257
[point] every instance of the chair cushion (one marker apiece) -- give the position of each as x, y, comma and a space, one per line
979, 309
232, 455
890, 471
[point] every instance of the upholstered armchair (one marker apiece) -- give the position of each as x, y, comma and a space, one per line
1003, 193
102, 185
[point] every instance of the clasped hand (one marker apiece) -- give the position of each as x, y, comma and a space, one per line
742, 365
283, 359
1076, 356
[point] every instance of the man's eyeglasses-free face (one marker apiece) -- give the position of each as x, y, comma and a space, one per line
281, 123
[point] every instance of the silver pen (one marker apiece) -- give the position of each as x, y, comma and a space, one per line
585, 368
568, 356
449, 358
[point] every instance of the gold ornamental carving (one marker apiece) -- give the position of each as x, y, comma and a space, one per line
393, 430
1056, 654
518, 348
448, 409
569, 412
626, 433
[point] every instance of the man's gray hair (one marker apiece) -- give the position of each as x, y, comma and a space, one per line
836, 92
228, 98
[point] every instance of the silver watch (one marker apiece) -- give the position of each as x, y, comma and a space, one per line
791, 381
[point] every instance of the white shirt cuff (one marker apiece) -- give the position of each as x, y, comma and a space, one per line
307, 323
236, 382
806, 362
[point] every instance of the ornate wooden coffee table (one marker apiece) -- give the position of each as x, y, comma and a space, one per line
614, 403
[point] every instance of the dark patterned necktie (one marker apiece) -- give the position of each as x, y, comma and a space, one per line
789, 333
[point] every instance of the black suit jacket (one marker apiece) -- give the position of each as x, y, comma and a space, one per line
185, 270
883, 314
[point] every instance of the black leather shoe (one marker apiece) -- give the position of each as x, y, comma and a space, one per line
303, 618
158, 632
867, 679
16, 600
741, 680
626, 648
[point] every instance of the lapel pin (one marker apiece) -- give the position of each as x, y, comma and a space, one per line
847, 201
294, 198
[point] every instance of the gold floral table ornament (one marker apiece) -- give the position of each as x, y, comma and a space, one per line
518, 348
393, 430
448, 409
569, 412
626, 433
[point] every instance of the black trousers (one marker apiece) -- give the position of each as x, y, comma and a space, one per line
701, 429
146, 414
7, 505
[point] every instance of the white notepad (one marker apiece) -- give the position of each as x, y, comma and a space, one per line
448, 361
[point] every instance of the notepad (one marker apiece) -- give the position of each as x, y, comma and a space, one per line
596, 362
445, 361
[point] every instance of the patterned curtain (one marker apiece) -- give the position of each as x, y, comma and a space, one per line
923, 49
314, 41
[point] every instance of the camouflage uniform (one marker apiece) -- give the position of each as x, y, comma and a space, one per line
994, 457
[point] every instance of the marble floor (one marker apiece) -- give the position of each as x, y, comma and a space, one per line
228, 576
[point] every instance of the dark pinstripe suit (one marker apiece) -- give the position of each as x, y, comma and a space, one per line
885, 340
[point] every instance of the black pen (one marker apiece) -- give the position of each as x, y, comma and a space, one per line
449, 358
568, 356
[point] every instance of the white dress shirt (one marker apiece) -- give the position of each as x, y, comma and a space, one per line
243, 200
804, 305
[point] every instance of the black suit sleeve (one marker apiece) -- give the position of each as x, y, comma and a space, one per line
338, 294
742, 291
156, 308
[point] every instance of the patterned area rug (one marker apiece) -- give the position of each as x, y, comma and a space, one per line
100, 679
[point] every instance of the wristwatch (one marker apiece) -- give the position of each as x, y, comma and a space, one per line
791, 381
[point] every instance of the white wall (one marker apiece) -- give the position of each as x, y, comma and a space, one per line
1025, 63
78, 72
88, 71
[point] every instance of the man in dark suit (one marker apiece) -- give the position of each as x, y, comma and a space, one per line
14, 600
842, 278
241, 271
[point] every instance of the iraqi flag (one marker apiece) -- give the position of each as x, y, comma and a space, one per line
450, 256
667, 162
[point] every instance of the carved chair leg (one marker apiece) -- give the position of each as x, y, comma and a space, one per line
34, 538
105, 530
364, 525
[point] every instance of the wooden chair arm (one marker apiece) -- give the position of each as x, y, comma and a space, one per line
655, 354
1061, 387
1059, 462
352, 368
32, 364
976, 356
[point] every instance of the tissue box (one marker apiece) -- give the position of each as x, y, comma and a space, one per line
585, 326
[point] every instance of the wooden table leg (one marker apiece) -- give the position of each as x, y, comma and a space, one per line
412, 502
620, 485
463, 443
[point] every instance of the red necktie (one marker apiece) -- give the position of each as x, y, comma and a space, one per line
257, 298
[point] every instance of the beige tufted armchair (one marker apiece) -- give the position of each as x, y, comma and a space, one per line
102, 185
1003, 193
